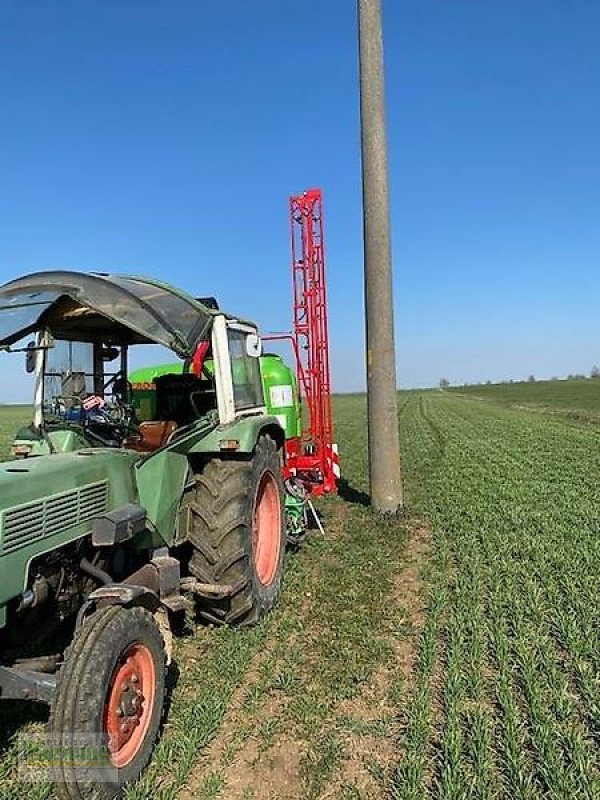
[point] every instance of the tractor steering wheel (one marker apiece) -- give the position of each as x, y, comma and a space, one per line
122, 388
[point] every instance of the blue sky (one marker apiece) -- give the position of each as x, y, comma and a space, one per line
165, 137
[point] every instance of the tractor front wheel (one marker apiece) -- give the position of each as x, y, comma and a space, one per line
237, 531
108, 706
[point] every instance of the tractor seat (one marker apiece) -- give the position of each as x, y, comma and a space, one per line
151, 435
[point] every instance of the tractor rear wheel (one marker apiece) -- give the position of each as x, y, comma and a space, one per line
237, 531
108, 705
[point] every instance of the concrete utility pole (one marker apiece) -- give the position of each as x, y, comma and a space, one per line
384, 447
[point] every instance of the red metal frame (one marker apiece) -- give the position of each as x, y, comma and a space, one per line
313, 457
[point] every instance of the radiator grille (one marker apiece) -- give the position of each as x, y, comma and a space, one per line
29, 523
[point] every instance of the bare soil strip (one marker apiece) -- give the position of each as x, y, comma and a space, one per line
372, 751
263, 749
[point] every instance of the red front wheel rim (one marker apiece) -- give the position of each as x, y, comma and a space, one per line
266, 531
129, 704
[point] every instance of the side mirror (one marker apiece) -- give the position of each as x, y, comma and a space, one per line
253, 345
31, 357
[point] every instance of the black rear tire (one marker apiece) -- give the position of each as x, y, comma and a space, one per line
98, 655
223, 507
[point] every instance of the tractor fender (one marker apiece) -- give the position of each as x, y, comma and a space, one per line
239, 437
155, 586
124, 594
118, 594
131, 596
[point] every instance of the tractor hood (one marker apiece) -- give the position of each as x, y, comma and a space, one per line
95, 307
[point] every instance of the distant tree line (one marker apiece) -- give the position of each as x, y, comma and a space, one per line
574, 376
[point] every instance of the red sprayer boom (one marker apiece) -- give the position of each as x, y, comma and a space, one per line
313, 456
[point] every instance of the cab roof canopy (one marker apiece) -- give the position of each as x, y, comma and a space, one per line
111, 309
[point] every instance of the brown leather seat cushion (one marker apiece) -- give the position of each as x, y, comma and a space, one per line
151, 435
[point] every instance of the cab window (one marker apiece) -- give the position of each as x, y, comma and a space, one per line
245, 372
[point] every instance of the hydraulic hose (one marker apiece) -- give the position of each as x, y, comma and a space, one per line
95, 572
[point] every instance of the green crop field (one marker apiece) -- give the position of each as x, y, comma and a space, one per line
576, 399
452, 653
11, 419
506, 700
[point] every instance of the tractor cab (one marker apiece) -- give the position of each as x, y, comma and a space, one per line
79, 334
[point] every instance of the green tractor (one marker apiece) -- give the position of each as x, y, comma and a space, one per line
128, 495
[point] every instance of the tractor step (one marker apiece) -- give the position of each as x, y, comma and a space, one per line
212, 590
177, 603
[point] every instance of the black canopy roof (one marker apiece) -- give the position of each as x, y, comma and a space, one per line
96, 307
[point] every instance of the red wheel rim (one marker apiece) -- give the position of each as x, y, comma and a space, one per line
266, 531
129, 703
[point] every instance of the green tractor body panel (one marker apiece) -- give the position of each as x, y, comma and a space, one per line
28, 443
243, 433
161, 479
53, 500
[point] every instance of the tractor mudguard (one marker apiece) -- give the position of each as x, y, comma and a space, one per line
240, 436
118, 594
154, 586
